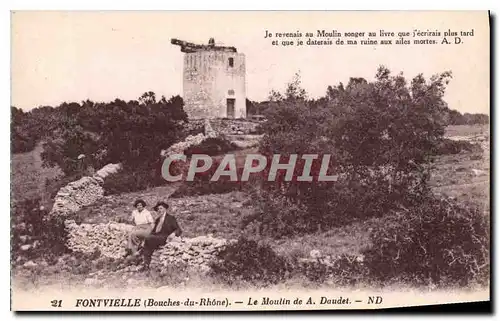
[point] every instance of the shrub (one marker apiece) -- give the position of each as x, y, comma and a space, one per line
252, 262
131, 180
32, 226
131, 133
211, 146
28, 128
202, 184
276, 215
19, 143
436, 241
307, 208
196, 188
381, 136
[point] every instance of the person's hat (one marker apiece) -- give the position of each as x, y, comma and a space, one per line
161, 204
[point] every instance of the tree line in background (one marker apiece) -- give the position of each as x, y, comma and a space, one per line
29, 128
92, 134
450, 116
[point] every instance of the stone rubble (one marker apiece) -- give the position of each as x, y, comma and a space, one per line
479, 172
75, 195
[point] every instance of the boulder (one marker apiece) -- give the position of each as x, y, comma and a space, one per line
25, 247
30, 264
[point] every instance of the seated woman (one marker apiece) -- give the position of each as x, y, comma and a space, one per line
165, 225
144, 224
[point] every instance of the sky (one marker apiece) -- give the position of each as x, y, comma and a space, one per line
78, 55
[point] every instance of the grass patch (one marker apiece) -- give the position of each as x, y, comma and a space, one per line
28, 176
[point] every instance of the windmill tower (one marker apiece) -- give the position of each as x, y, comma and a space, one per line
213, 80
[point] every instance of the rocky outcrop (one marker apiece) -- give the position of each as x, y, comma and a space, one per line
83, 192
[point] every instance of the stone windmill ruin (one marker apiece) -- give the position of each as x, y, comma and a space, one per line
213, 80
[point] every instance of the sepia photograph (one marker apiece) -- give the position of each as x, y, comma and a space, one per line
249, 160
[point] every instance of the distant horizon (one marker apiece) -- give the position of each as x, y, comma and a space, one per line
71, 56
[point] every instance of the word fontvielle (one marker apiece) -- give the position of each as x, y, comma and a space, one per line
254, 163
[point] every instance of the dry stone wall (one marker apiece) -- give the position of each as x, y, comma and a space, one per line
191, 140
197, 252
83, 192
225, 126
110, 240
234, 126
194, 125
75, 195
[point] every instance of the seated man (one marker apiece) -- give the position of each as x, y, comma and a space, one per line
165, 225
144, 224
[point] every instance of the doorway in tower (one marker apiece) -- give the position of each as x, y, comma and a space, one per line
230, 107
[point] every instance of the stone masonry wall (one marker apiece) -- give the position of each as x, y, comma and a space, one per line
234, 126
111, 239
209, 81
83, 192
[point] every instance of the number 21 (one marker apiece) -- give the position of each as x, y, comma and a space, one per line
56, 303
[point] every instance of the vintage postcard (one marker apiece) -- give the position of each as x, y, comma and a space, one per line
249, 161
